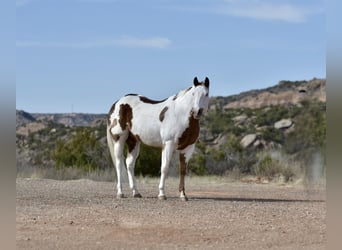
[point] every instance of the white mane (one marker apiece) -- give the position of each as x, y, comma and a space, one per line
182, 93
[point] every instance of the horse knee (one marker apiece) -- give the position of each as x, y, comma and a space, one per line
130, 167
164, 170
131, 160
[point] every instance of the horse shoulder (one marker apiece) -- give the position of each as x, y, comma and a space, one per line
190, 134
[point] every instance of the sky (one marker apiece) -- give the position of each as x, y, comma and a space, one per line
82, 55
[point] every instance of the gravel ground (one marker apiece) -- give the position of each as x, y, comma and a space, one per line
220, 214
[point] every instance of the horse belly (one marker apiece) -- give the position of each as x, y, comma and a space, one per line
147, 131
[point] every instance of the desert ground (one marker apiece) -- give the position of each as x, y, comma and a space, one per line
220, 214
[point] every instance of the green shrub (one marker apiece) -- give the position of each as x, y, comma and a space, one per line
309, 134
267, 167
197, 164
149, 161
272, 134
81, 151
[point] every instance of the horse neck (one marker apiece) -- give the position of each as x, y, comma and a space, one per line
183, 106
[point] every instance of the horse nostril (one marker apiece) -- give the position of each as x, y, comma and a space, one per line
200, 112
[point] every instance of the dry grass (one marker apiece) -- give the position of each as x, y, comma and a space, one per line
66, 174
109, 175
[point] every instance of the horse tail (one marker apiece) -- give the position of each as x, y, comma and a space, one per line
109, 137
110, 145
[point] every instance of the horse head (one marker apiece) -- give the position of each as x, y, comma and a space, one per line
200, 93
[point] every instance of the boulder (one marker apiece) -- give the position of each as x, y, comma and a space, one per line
283, 124
240, 119
247, 140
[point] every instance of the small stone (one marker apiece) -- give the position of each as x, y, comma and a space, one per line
283, 123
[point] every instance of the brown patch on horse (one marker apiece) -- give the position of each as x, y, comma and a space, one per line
115, 137
126, 116
148, 100
131, 142
190, 134
162, 114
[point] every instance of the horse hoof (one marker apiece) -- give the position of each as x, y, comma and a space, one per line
162, 197
137, 195
120, 196
184, 198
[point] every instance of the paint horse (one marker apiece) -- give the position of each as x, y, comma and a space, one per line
171, 124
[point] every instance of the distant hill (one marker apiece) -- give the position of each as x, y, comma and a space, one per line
34, 121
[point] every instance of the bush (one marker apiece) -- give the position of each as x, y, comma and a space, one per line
272, 134
82, 151
149, 161
197, 164
267, 167
274, 164
309, 135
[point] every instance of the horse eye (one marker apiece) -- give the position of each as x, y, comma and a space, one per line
207, 94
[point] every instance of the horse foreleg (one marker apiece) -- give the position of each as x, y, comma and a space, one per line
184, 157
182, 172
167, 153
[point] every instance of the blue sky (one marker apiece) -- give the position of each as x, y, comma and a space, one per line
82, 55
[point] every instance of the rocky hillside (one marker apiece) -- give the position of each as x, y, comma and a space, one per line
239, 132
285, 92
67, 119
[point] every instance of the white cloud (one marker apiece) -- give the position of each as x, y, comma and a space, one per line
269, 10
265, 10
154, 42
130, 42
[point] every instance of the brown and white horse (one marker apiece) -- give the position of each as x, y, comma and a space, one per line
171, 124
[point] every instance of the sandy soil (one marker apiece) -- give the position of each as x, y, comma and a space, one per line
220, 214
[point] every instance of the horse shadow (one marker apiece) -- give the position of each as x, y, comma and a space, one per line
250, 199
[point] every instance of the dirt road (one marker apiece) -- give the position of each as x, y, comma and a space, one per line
220, 214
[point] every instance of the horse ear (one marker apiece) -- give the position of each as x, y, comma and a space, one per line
196, 83
206, 82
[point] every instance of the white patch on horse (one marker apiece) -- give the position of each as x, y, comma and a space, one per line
171, 124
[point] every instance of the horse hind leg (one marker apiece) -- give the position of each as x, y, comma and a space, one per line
116, 140
133, 146
119, 165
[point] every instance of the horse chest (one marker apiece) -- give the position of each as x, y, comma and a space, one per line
190, 134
